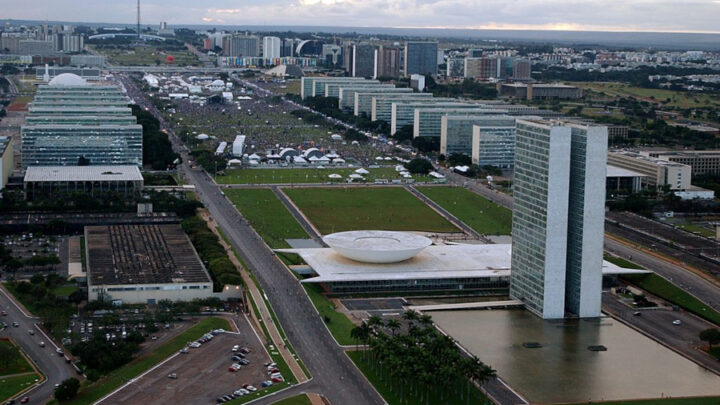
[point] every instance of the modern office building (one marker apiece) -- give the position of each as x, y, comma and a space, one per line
382, 104
364, 60
331, 54
657, 172
521, 69
483, 68
455, 68
421, 58
558, 217
701, 162
92, 180
363, 100
241, 45
389, 61
346, 93
493, 142
332, 89
402, 111
456, 132
315, 85
538, 91
427, 122
271, 48
7, 163
70, 120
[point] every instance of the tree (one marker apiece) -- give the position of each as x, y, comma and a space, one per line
459, 159
419, 166
393, 324
67, 389
711, 336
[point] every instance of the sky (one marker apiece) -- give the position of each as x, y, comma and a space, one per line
585, 15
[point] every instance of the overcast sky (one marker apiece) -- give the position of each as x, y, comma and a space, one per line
615, 15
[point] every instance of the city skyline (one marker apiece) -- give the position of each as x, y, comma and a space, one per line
582, 15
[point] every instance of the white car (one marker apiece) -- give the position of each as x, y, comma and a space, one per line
236, 348
677, 322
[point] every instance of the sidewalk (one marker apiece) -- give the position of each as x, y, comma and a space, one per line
261, 306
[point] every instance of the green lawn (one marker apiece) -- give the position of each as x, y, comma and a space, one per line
391, 392
622, 262
661, 287
480, 214
93, 392
16, 363
296, 400
11, 386
309, 175
65, 290
388, 208
671, 401
338, 324
698, 229
267, 215
678, 99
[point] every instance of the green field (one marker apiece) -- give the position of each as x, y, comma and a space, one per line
387, 208
11, 386
65, 290
296, 400
668, 291
338, 324
93, 392
267, 215
148, 55
701, 230
310, 175
16, 363
622, 262
480, 214
677, 99
390, 392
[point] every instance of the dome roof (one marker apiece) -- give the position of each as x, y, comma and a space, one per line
377, 246
218, 83
68, 79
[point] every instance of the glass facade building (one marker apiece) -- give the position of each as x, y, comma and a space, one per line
382, 104
428, 121
67, 122
402, 112
493, 143
363, 100
346, 94
421, 58
315, 86
332, 89
558, 217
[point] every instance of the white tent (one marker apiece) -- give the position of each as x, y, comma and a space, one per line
338, 161
254, 156
379, 158
202, 137
356, 176
362, 171
388, 158
323, 159
436, 175
335, 176
399, 168
332, 155
234, 162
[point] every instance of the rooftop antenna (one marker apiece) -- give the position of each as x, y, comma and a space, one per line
138, 18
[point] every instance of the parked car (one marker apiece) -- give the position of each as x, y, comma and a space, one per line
266, 383
233, 368
42, 344
31, 332
4, 313
59, 352
249, 387
677, 322
273, 370
235, 348
25, 400
173, 376
244, 350
236, 358
15, 324
184, 350
244, 362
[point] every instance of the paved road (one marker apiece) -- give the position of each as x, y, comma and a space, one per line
658, 323
687, 280
334, 375
52, 365
299, 217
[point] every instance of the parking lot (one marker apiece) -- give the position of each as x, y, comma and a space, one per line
202, 374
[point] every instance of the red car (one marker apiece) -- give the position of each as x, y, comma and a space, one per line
234, 368
24, 400
4, 313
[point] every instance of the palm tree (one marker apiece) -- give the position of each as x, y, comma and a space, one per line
411, 316
426, 320
393, 325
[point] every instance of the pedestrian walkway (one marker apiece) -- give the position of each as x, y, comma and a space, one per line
256, 295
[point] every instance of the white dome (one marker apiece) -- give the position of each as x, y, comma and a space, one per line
218, 83
377, 246
68, 79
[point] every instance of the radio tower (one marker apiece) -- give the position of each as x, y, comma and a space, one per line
138, 18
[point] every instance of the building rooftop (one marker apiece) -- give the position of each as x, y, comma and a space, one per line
434, 262
614, 171
82, 173
141, 254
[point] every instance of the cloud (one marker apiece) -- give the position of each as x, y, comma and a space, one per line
641, 15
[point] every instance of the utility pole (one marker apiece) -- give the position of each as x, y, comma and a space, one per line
138, 19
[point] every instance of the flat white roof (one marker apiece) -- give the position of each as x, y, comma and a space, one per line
82, 173
435, 262
614, 171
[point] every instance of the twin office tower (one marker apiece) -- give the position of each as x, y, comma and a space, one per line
558, 217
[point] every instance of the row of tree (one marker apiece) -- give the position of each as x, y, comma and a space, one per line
208, 246
417, 358
157, 149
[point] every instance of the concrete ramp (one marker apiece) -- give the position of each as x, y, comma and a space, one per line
468, 305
